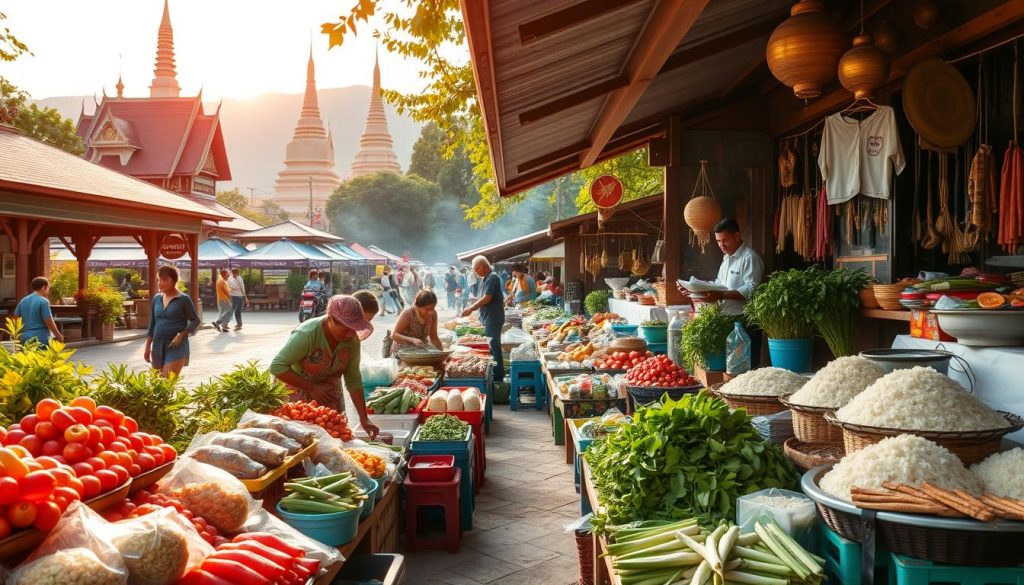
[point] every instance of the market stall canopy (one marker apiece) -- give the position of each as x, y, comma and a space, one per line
213, 253
556, 252
216, 253
283, 253
386, 254
348, 253
365, 252
336, 256
509, 248
291, 230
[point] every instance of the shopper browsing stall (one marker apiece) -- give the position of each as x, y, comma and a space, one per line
492, 310
417, 325
323, 351
524, 287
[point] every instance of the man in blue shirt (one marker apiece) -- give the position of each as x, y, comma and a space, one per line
36, 317
492, 310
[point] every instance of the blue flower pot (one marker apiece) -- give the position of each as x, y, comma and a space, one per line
795, 355
715, 362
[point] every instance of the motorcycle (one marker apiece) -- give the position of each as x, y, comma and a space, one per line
311, 304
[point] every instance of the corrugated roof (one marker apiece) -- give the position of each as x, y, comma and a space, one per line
514, 247
289, 229
30, 166
237, 223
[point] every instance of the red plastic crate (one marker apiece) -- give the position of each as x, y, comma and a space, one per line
472, 417
431, 468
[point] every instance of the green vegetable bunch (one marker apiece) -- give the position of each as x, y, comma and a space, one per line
31, 372
838, 298
706, 335
160, 405
443, 427
550, 314
784, 306
653, 324
597, 301
677, 459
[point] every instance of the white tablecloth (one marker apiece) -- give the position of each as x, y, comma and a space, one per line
636, 313
997, 371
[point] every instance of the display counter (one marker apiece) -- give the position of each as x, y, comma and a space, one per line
636, 313
996, 372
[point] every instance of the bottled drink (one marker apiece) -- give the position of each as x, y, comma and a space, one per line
737, 350
675, 337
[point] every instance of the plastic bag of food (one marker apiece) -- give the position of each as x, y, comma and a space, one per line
74, 553
271, 436
525, 352
515, 335
210, 492
235, 463
331, 454
374, 460
794, 512
261, 521
158, 548
258, 450
302, 432
378, 372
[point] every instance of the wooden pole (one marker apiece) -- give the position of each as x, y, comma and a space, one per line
21, 250
672, 210
152, 247
192, 241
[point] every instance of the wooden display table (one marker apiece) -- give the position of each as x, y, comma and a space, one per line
604, 574
377, 533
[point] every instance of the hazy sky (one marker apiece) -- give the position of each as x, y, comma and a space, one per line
236, 48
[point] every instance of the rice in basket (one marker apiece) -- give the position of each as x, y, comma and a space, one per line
1002, 474
764, 382
838, 382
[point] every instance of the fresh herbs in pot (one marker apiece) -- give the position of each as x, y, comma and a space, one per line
597, 301
677, 459
838, 298
705, 335
784, 306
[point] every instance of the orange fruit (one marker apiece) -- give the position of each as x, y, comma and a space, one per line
991, 300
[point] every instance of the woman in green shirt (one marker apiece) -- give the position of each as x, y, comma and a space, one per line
324, 350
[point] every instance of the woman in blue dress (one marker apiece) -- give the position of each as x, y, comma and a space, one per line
173, 319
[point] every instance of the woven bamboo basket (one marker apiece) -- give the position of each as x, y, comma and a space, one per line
810, 455
810, 426
970, 446
754, 405
867, 298
888, 295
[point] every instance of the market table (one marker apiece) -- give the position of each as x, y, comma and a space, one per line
997, 372
636, 313
603, 571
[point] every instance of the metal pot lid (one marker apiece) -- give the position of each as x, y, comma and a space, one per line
906, 355
939, 104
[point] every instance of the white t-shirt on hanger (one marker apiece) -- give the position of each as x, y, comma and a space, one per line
859, 156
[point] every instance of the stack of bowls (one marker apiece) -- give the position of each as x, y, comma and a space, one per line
888, 295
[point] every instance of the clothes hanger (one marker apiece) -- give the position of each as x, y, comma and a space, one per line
860, 105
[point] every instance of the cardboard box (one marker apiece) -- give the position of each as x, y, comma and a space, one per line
925, 325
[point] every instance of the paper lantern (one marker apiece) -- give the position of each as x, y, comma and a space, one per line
887, 36
804, 50
864, 68
702, 211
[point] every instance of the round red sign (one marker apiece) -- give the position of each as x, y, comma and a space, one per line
606, 191
174, 247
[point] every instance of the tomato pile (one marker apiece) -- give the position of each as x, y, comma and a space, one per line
658, 372
332, 421
622, 360
60, 454
146, 502
254, 557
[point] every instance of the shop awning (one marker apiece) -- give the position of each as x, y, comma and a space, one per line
283, 254
347, 252
213, 253
291, 230
647, 210
386, 254
556, 252
516, 246
370, 255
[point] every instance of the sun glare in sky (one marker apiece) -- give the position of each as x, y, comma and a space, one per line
229, 48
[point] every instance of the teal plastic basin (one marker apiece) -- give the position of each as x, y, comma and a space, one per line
333, 529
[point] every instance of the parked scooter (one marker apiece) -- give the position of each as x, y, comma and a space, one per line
311, 304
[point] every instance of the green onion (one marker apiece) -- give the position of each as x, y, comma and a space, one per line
747, 578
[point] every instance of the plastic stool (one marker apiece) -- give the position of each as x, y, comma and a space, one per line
443, 494
526, 374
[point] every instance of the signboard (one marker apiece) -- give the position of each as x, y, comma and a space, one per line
606, 191
173, 247
275, 276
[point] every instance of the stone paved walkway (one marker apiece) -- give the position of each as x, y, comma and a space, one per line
518, 535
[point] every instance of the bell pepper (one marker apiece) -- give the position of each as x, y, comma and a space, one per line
254, 561
273, 541
233, 571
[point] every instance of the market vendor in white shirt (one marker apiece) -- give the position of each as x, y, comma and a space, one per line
741, 271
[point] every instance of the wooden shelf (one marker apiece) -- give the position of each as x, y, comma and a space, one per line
900, 315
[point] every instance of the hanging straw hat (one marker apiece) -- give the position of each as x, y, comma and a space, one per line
939, 104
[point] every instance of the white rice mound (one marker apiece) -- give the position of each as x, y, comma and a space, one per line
838, 382
764, 382
906, 459
920, 399
1002, 474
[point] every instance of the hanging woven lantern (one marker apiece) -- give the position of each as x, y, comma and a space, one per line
804, 50
864, 68
702, 211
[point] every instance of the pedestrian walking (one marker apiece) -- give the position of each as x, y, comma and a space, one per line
428, 280
236, 286
389, 303
411, 284
492, 310
36, 317
223, 302
172, 319
451, 284
462, 291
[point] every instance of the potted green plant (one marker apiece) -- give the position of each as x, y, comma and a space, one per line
838, 298
109, 307
704, 338
597, 301
784, 309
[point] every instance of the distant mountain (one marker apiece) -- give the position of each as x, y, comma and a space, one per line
258, 129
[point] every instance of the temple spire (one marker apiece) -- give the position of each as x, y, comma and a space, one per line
376, 149
165, 82
119, 86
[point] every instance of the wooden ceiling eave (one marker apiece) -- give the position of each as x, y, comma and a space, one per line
476, 14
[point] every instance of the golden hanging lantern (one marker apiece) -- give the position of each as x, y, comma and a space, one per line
804, 50
702, 211
864, 68
887, 36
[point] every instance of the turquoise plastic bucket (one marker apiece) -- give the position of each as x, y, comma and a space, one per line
331, 529
716, 362
795, 355
654, 334
378, 492
371, 487
624, 329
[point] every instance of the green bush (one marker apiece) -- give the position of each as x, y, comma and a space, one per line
294, 283
64, 281
117, 276
597, 301
158, 404
109, 303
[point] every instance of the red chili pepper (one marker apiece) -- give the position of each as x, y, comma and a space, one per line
310, 564
254, 561
291, 578
283, 559
201, 577
234, 571
273, 541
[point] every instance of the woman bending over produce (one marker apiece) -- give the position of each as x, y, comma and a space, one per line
172, 320
417, 323
322, 351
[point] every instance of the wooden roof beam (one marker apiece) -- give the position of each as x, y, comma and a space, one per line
477, 17
574, 15
668, 24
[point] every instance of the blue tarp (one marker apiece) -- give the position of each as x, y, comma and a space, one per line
283, 254
348, 253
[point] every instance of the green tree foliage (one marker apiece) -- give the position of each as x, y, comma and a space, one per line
268, 213
431, 160
10, 47
44, 124
273, 211
638, 178
394, 211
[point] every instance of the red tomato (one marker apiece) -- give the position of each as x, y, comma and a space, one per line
48, 462
51, 448
47, 516
5, 528
82, 469
135, 470
62, 475
9, 491
67, 493
14, 437
169, 453
113, 416
45, 408
77, 433
79, 486
107, 435
22, 514
81, 415
121, 472
136, 442
130, 424
33, 444
85, 402
102, 423
46, 430
28, 423
75, 452
122, 431
108, 479
95, 435
92, 486
96, 463
62, 419
146, 461
124, 459
109, 458
116, 446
